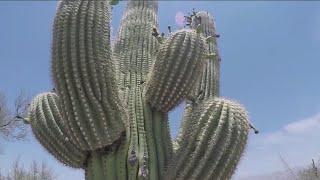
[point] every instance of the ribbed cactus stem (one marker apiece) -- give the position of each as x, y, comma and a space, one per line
211, 74
83, 72
94, 170
48, 127
134, 51
110, 113
209, 84
178, 66
218, 126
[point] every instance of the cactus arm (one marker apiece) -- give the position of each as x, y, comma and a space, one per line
176, 69
192, 133
231, 157
114, 2
208, 138
84, 69
74, 104
207, 141
212, 69
219, 142
209, 81
115, 100
57, 67
48, 127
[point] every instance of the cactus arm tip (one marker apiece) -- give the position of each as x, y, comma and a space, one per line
114, 2
24, 120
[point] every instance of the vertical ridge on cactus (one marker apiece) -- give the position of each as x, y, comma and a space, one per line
110, 114
84, 73
210, 84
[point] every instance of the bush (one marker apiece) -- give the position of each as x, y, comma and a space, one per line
35, 172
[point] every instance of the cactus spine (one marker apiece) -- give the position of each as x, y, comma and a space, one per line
109, 114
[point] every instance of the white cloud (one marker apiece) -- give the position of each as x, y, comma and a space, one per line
296, 142
303, 126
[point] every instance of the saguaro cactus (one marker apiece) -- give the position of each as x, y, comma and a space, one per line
109, 112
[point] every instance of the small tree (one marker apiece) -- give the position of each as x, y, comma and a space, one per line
309, 173
35, 172
11, 125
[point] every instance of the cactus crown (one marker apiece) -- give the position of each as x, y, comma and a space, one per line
109, 111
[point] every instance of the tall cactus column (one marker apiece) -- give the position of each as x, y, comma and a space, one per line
109, 112
214, 131
137, 53
209, 84
134, 52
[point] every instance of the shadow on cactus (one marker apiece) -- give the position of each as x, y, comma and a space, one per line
109, 111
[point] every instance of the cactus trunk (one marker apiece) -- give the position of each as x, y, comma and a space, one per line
109, 114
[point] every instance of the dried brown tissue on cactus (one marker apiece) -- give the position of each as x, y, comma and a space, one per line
108, 111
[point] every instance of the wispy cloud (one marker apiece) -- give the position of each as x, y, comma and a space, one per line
297, 142
303, 126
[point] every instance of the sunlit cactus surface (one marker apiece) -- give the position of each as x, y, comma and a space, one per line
108, 112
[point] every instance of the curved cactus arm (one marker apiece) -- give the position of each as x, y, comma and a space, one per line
209, 84
84, 73
178, 66
213, 144
114, 2
48, 127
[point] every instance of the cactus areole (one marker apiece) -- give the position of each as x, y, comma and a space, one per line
109, 112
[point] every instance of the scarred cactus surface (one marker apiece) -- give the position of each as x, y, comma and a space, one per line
109, 112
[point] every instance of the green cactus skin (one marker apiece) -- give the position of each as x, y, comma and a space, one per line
110, 114
213, 144
48, 127
211, 74
208, 86
178, 66
84, 73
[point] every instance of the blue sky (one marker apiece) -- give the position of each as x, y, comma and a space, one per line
269, 54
